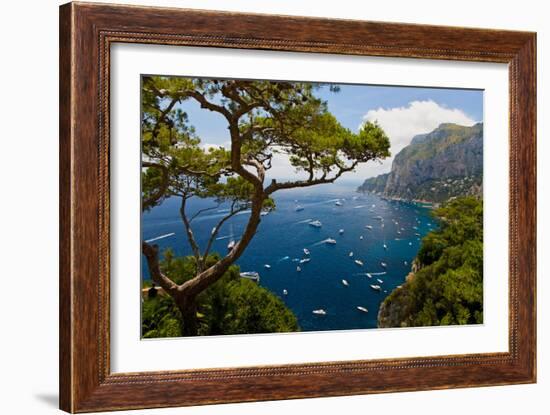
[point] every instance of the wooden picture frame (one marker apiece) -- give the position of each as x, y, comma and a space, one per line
86, 33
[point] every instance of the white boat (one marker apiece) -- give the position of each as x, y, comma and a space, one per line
385, 246
299, 208
304, 260
361, 237
363, 309
285, 292
410, 243
316, 224
341, 231
369, 227
298, 269
350, 254
306, 251
383, 264
319, 312
369, 275
338, 203
375, 287
405, 263
345, 283
416, 234
267, 266
250, 275
359, 262
330, 241
231, 244
380, 281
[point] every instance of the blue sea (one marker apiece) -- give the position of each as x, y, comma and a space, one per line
285, 232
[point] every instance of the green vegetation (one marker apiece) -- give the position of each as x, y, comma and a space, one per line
447, 285
232, 305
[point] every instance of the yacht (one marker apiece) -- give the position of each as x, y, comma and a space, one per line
375, 287
330, 241
299, 208
319, 312
380, 281
350, 254
338, 203
250, 275
359, 262
385, 246
231, 244
369, 275
345, 283
361, 237
363, 309
306, 251
316, 224
410, 243
383, 264
298, 269
285, 292
267, 266
341, 231
369, 227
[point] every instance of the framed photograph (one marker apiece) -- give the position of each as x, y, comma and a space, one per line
260, 207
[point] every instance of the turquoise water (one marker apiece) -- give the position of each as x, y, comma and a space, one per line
285, 232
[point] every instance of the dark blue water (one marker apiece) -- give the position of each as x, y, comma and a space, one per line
285, 232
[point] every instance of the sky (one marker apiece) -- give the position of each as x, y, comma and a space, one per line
402, 112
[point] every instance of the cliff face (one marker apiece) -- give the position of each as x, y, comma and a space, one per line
447, 162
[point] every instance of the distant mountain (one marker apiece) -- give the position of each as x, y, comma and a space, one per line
445, 163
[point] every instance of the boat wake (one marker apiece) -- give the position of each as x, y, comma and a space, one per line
359, 207
160, 237
371, 273
324, 241
304, 221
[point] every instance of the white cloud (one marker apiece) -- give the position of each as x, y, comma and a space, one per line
401, 124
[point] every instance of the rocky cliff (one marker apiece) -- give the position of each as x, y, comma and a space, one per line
444, 163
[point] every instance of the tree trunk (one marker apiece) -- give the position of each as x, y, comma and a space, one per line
187, 306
